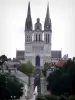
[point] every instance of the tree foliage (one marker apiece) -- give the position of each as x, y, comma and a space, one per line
27, 68
62, 97
47, 97
46, 67
62, 81
3, 58
10, 86
72, 97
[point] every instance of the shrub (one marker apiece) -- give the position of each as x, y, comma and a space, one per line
40, 97
62, 97
72, 97
51, 97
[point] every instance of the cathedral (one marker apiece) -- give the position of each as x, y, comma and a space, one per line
38, 42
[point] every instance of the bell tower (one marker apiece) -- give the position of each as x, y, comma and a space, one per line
28, 23
47, 31
28, 30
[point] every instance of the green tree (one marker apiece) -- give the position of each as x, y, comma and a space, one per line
40, 97
62, 81
10, 87
51, 97
27, 68
3, 58
62, 97
47, 97
46, 67
72, 97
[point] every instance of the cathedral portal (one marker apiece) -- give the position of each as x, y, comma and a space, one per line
37, 59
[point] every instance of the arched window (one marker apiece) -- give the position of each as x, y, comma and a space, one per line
27, 36
36, 37
37, 60
39, 37
48, 38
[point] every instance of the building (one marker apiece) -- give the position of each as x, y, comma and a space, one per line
38, 42
38, 48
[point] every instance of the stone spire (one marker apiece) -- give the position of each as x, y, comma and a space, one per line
29, 11
47, 24
28, 23
47, 14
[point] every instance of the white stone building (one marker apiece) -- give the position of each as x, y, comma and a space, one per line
38, 42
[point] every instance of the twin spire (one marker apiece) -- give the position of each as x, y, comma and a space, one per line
47, 14
28, 24
29, 11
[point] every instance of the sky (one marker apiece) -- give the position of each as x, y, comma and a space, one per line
12, 24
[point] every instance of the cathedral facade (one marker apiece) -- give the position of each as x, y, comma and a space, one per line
38, 41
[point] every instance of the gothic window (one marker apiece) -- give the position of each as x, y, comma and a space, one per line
36, 37
27, 40
39, 37
27, 36
48, 38
37, 60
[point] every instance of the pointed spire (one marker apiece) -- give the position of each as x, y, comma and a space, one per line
47, 24
47, 14
29, 11
28, 23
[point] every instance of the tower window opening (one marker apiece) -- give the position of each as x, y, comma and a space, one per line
27, 36
48, 38
36, 37
39, 37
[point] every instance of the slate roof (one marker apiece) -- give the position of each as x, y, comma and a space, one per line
54, 53
20, 54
